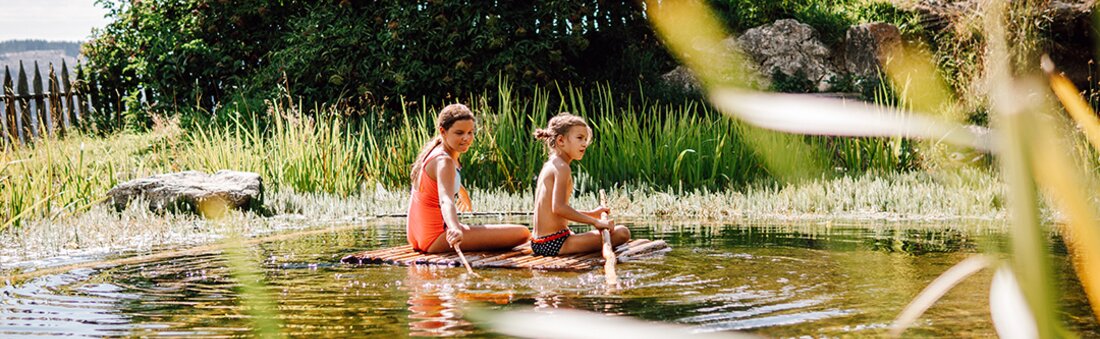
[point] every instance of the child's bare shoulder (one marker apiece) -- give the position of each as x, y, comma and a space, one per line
560, 166
547, 168
552, 167
442, 159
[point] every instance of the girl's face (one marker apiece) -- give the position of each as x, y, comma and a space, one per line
460, 136
574, 143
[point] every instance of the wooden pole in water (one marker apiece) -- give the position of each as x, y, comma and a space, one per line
464, 262
608, 251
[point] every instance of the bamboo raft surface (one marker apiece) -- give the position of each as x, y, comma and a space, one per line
519, 257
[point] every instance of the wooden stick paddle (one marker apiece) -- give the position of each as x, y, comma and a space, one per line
465, 206
466, 263
608, 251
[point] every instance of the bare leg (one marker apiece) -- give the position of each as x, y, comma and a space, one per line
592, 241
485, 238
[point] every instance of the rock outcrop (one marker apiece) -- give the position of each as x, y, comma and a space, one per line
192, 191
867, 48
790, 47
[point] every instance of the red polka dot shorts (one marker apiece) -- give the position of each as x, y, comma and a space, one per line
550, 245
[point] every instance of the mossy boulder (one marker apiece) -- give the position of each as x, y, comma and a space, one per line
192, 191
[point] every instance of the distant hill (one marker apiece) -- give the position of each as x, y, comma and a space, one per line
42, 51
11, 46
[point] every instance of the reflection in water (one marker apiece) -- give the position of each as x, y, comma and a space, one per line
774, 280
547, 294
47, 306
434, 307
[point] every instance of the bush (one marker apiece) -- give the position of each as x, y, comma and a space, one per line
186, 52
797, 83
828, 17
368, 54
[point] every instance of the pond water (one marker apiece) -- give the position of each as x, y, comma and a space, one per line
773, 280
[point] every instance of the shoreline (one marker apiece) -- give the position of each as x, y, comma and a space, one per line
25, 267
916, 198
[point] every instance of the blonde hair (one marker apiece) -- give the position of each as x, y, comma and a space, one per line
447, 117
559, 125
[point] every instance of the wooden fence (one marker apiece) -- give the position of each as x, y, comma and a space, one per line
29, 110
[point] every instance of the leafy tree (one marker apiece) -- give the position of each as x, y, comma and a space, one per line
368, 53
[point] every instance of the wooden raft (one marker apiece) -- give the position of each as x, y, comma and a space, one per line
519, 257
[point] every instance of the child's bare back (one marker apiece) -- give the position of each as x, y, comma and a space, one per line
546, 222
568, 139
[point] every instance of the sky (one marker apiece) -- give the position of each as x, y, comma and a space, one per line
68, 20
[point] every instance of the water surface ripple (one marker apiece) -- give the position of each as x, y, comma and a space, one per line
772, 280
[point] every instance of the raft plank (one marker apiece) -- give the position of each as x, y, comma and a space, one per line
495, 258
630, 244
518, 257
646, 248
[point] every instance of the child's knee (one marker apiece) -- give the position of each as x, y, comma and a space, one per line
522, 234
621, 234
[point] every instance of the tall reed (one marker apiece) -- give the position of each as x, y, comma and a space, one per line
663, 145
1030, 145
681, 146
58, 176
293, 150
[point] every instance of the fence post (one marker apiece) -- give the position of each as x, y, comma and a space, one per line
119, 108
81, 98
24, 121
56, 111
10, 122
4, 140
42, 118
69, 111
96, 115
3, 108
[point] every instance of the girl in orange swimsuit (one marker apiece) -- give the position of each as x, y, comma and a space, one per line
437, 193
425, 222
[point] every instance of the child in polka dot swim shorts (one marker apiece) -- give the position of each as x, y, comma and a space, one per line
567, 137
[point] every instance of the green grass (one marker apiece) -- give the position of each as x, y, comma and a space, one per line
55, 177
934, 198
294, 151
681, 146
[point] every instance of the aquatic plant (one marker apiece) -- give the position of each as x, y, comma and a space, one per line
1026, 142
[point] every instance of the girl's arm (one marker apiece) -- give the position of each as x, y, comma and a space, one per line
464, 203
445, 175
559, 205
596, 212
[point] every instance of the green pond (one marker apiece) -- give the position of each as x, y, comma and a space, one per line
775, 280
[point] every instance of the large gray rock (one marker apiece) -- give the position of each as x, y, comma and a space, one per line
791, 47
683, 79
1072, 35
868, 47
741, 74
1066, 26
191, 189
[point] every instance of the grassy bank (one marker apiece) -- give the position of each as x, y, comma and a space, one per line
966, 195
637, 143
687, 165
